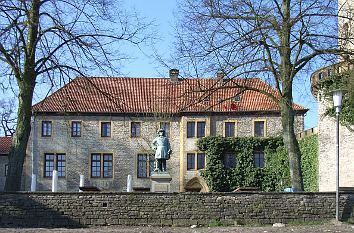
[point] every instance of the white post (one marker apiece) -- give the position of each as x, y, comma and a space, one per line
129, 183
33, 183
55, 181
82, 182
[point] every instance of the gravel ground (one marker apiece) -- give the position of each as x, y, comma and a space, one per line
342, 228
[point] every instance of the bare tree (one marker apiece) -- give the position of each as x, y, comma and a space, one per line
8, 117
275, 40
49, 41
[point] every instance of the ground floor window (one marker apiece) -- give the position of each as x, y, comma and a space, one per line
229, 160
195, 161
145, 166
54, 161
101, 165
258, 158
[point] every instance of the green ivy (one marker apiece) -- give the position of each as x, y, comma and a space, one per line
275, 176
344, 81
309, 162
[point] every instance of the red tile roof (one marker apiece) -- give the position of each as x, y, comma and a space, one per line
158, 95
5, 145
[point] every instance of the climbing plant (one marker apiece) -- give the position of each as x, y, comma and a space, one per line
274, 176
344, 81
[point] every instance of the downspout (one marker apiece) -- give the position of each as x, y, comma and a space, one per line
33, 176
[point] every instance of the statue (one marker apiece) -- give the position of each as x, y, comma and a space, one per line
162, 148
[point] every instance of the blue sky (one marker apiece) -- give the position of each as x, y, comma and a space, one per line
162, 12
142, 64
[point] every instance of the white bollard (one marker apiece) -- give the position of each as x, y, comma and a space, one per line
82, 182
129, 183
33, 183
55, 181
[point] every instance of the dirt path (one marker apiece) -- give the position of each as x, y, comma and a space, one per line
326, 228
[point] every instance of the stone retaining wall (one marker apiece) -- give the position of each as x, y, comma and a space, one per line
173, 209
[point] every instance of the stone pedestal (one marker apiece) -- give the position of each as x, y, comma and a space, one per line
161, 182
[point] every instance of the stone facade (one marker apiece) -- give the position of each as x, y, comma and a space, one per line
3, 167
172, 209
327, 151
327, 125
125, 148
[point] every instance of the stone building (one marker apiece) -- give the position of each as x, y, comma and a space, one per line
5, 145
102, 128
326, 124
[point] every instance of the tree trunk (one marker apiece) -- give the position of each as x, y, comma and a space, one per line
26, 83
291, 143
20, 139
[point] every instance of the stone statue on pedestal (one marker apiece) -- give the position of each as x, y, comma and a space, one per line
162, 148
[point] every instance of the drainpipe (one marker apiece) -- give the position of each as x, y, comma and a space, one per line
33, 177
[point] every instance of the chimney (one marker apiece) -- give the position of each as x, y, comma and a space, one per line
220, 75
174, 75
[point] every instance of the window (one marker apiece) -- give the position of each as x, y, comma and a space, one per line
146, 164
190, 161
195, 161
229, 129
6, 169
193, 127
259, 129
200, 161
166, 127
258, 158
54, 162
76, 129
135, 129
101, 165
200, 129
105, 129
190, 129
229, 160
46, 128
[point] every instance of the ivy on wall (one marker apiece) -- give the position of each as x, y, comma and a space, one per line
344, 81
274, 176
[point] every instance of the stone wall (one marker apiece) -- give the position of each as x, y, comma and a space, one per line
173, 209
327, 151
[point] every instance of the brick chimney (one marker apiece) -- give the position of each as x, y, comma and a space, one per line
220, 75
174, 75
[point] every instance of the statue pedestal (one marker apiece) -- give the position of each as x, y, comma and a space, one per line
161, 182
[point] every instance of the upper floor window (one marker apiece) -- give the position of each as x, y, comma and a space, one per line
46, 128
229, 129
105, 129
54, 162
190, 129
193, 127
76, 129
101, 165
166, 127
135, 129
229, 160
258, 158
195, 161
259, 128
145, 166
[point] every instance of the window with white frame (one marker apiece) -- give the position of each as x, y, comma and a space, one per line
101, 165
54, 161
46, 128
